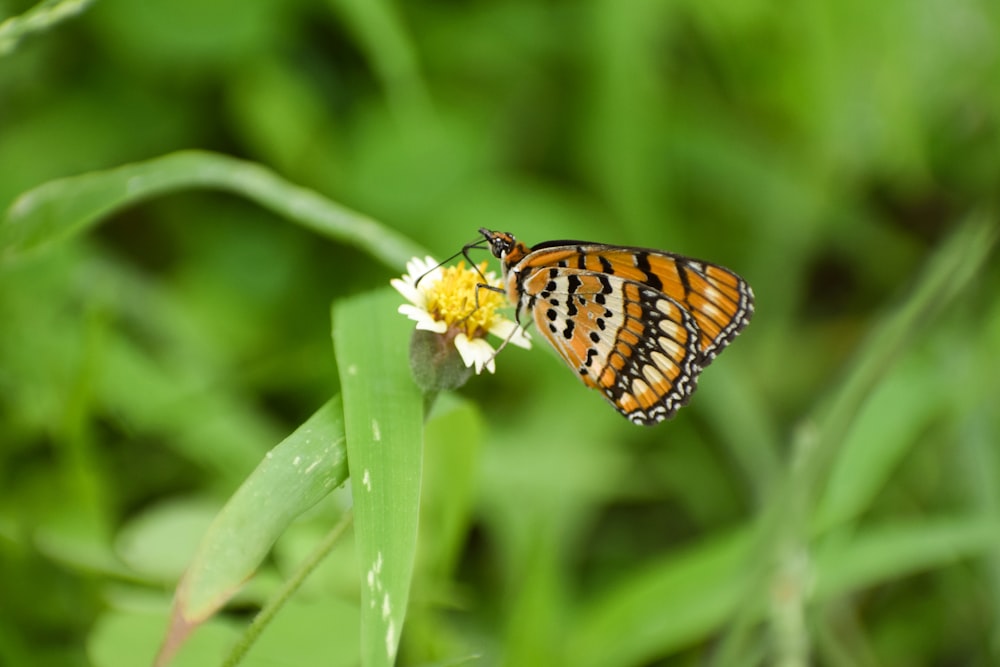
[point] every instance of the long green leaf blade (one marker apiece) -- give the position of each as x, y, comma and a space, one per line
61, 208
383, 417
892, 551
634, 623
293, 477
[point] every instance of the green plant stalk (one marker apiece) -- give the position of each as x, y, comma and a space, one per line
290, 586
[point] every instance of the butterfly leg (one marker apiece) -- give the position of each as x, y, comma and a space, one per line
517, 316
506, 340
475, 307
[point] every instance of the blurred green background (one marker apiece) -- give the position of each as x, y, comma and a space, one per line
827, 151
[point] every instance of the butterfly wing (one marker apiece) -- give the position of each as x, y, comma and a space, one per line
635, 323
720, 301
635, 344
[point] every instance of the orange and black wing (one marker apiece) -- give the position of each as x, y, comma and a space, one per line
636, 345
720, 301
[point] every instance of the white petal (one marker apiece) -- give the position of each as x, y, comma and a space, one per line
426, 271
422, 318
422, 269
409, 292
475, 352
508, 329
436, 326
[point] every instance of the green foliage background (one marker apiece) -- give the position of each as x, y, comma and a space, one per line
833, 491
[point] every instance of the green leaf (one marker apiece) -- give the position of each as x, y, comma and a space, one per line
892, 551
889, 425
950, 271
678, 601
380, 32
293, 476
784, 529
383, 419
59, 209
121, 639
453, 438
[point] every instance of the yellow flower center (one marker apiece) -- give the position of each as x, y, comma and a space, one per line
453, 300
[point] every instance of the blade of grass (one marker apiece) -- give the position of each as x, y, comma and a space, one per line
784, 529
881, 553
62, 208
41, 17
980, 463
673, 603
949, 271
909, 399
380, 32
293, 477
452, 440
383, 418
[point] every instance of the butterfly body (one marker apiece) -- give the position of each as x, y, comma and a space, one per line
636, 324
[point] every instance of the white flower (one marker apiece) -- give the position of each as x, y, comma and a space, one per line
455, 303
429, 273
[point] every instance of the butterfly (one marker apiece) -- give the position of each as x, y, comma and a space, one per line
636, 324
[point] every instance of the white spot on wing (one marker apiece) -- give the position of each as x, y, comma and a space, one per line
366, 480
661, 360
671, 347
654, 376
639, 387
666, 307
376, 431
671, 328
713, 312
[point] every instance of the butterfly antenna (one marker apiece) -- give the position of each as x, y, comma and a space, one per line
479, 244
464, 252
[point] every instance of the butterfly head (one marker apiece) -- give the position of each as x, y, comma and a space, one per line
504, 246
501, 243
